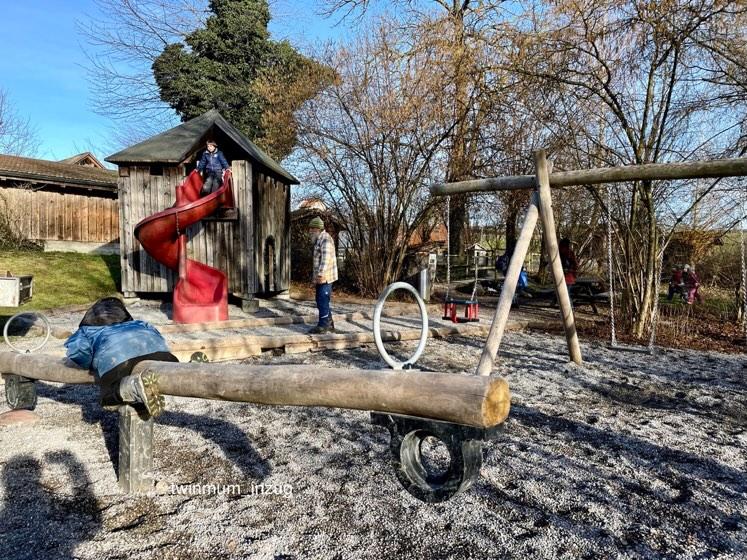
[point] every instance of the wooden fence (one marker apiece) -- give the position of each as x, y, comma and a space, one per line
43, 215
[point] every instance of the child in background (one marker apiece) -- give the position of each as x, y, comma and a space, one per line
692, 284
109, 342
676, 283
568, 260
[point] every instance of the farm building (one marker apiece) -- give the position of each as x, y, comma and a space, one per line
253, 248
68, 205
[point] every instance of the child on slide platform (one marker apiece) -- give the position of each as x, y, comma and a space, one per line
212, 164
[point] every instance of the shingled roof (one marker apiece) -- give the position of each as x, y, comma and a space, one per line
85, 158
53, 172
179, 143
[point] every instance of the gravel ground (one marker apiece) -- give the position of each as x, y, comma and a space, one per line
628, 456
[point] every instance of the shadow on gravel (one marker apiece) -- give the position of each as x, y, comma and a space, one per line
233, 441
670, 501
670, 396
41, 522
693, 370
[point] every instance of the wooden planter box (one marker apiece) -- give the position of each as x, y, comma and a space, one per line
15, 290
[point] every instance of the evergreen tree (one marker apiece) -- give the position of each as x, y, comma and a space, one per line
232, 65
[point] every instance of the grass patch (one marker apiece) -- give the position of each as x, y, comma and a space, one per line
62, 279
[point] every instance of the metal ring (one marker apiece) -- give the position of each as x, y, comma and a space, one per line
35, 348
377, 325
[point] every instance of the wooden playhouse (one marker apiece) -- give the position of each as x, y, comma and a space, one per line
252, 245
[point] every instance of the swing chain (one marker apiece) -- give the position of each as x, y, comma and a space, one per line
448, 246
474, 287
613, 333
744, 265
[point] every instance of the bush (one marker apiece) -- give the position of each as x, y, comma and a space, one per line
11, 236
722, 266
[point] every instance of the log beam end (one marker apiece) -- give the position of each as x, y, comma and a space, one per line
497, 402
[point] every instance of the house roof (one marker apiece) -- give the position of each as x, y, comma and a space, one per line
80, 159
313, 204
437, 235
303, 215
177, 144
55, 172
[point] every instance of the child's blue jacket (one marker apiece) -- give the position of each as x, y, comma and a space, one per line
101, 349
212, 163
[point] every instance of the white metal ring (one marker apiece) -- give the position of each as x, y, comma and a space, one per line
35, 348
377, 325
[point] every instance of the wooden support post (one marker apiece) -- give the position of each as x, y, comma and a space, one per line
135, 451
553, 256
498, 327
249, 304
463, 399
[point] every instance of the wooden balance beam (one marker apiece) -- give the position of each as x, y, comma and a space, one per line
242, 346
462, 409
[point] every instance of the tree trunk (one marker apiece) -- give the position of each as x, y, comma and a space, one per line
457, 220
511, 218
459, 167
646, 296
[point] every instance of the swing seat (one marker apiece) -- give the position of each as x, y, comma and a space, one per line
471, 310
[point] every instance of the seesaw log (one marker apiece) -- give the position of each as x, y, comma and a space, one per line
463, 399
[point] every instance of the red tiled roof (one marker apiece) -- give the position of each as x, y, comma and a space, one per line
40, 170
438, 235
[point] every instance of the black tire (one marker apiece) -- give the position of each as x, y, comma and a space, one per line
20, 392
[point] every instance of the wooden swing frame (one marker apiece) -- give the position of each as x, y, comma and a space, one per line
540, 207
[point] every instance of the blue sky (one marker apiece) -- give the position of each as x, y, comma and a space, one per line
43, 72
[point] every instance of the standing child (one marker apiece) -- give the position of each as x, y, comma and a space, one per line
568, 260
692, 284
676, 283
212, 164
109, 342
324, 274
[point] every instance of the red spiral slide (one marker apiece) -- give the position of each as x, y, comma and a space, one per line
201, 293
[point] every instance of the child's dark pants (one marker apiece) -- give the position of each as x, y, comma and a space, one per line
212, 183
109, 382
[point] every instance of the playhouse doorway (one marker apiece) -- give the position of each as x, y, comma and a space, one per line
270, 265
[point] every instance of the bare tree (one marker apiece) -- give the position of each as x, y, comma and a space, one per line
17, 135
633, 92
457, 30
371, 142
125, 37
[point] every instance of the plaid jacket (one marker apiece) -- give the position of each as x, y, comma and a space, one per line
325, 260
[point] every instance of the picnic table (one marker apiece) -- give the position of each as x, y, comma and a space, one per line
590, 290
